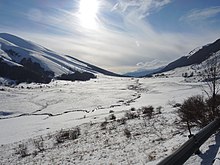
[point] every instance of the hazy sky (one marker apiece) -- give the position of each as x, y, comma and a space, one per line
119, 35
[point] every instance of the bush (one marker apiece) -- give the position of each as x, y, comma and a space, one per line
127, 133
39, 144
22, 150
122, 120
111, 111
148, 111
104, 125
133, 109
131, 115
74, 134
195, 110
112, 117
211, 103
176, 105
84, 76
67, 135
158, 109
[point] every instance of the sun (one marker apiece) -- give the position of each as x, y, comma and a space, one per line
88, 10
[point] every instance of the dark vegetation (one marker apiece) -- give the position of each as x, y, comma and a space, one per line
32, 72
22, 150
112, 117
64, 135
35, 67
145, 111
187, 75
197, 110
110, 125
39, 145
148, 111
84, 76
127, 133
24, 74
200, 110
145, 114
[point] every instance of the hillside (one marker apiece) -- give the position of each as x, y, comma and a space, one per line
26, 61
194, 57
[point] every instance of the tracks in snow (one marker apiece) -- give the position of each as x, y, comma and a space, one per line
136, 86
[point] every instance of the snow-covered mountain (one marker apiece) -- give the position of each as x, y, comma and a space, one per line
24, 60
196, 56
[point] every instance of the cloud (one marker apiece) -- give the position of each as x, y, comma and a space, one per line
140, 7
123, 39
34, 14
201, 14
151, 64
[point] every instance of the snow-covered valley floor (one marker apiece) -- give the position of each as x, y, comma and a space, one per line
32, 116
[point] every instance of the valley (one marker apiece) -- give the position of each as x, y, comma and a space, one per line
34, 111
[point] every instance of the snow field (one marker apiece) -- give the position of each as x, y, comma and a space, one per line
64, 105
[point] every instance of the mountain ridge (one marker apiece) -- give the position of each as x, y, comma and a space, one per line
18, 54
195, 56
199, 56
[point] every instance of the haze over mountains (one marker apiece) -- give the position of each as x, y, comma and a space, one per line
26, 61
196, 56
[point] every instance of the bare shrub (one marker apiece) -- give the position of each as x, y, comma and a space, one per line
131, 115
148, 111
211, 74
61, 136
133, 109
127, 133
195, 110
111, 111
122, 120
2, 89
103, 125
106, 142
74, 134
39, 144
176, 105
34, 153
209, 101
112, 117
67, 135
158, 109
22, 150
152, 156
113, 126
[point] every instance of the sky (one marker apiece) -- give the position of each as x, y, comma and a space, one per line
118, 35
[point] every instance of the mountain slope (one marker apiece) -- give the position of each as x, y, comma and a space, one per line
196, 58
23, 60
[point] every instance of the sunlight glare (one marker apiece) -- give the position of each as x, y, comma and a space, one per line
88, 10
